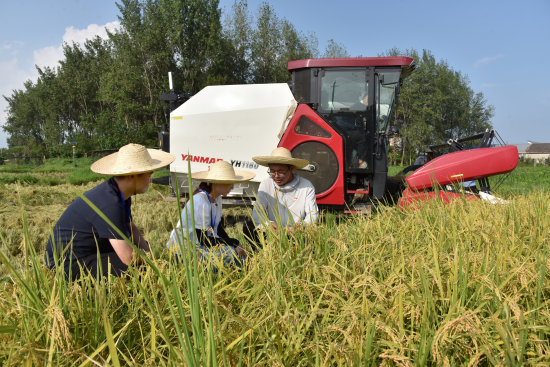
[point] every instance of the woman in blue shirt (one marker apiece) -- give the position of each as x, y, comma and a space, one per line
210, 237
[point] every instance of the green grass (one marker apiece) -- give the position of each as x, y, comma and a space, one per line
50, 165
29, 179
62, 167
82, 175
523, 180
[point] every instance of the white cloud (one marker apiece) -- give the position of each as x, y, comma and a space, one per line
50, 56
8, 46
13, 75
487, 60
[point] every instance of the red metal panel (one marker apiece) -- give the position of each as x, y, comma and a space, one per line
290, 140
410, 198
347, 62
465, 165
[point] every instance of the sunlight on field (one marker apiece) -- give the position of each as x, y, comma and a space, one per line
447, 285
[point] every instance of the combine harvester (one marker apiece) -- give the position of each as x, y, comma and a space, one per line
335, 113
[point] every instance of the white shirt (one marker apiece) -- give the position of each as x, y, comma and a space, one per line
204, 210
292, 203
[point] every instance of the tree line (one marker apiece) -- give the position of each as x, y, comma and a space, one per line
105, 92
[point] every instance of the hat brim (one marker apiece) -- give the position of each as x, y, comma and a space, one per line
265, 160
106, 165
240, 176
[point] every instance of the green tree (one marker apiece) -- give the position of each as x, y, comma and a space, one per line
194, 33
23, 123
104, 93
436, 103
237, 33
265, 46
335, 50
275, 42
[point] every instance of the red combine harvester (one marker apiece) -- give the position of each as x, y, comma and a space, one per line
346, 141
338, 117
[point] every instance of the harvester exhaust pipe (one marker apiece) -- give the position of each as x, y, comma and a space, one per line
176, 99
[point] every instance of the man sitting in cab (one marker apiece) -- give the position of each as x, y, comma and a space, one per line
285, 201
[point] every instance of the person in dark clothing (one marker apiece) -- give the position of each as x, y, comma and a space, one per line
211, 238
82, 240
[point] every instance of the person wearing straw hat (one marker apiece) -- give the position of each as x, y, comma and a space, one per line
210, 236
82, 239
284, 199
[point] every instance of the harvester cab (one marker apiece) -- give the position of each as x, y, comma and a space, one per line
342, 122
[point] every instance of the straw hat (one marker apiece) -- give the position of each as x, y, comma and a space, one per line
132, 159
280, 156
222, 172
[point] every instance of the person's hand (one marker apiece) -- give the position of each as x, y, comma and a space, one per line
274, 226
240, 251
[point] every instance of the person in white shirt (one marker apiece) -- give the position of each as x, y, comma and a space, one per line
210, 237
285, 201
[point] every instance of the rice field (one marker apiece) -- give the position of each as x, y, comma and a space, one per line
459, 285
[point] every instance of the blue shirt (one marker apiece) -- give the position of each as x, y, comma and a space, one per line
81, 224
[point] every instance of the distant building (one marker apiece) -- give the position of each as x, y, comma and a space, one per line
538, 151
534, 150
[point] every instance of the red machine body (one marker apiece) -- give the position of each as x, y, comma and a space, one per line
457, 167
400, 61
410, 199
307, 127
465, 165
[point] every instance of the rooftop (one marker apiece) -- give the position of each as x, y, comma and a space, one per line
538, 148
522, 147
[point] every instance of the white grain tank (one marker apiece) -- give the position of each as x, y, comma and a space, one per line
231, 123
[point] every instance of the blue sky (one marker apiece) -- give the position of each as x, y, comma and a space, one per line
503, 46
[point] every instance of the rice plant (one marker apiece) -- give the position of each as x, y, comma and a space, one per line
463, 284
